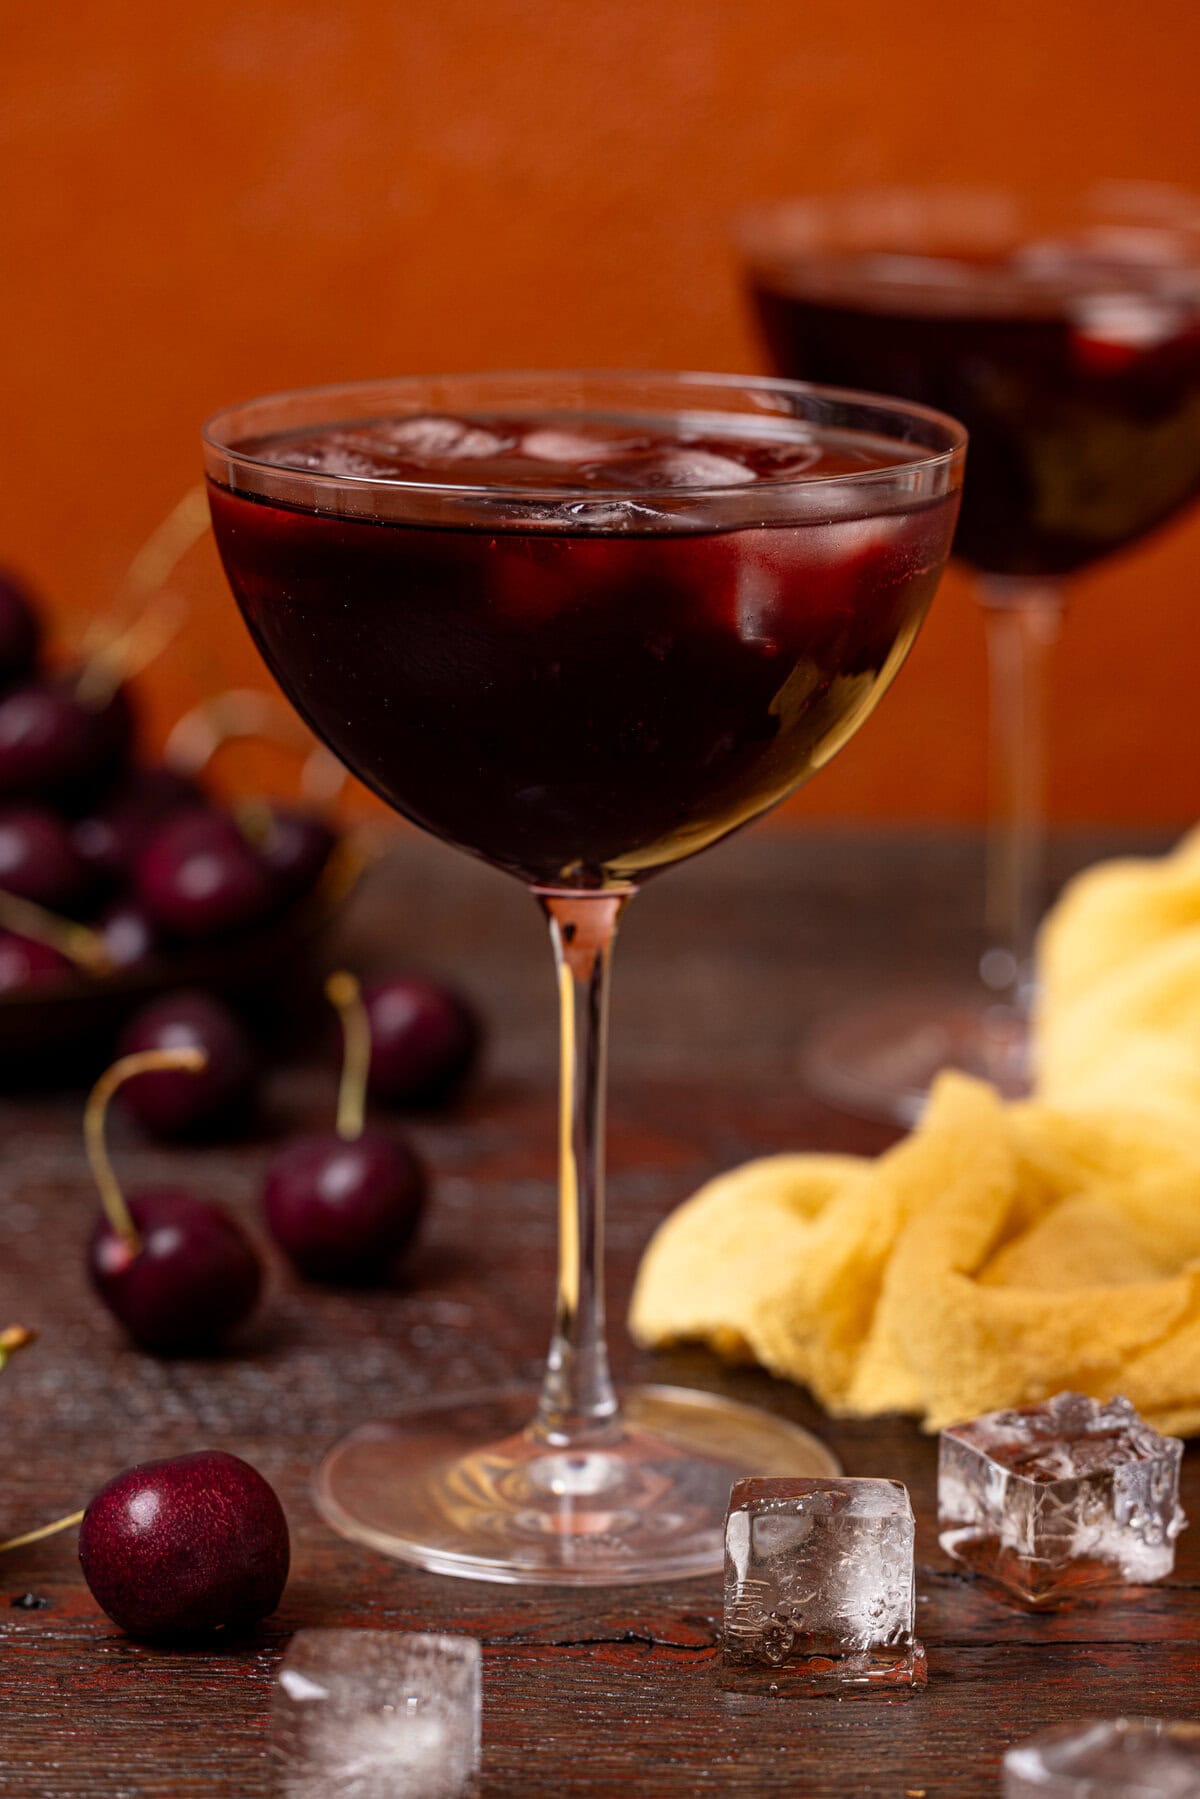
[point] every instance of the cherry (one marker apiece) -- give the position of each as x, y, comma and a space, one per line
26, 962
56, 746
38, 860
344, 1204
20, 630
198, 877
184, 1280
127, 934
294, 845
38, 945
344, 1211
424, 1040
110, 840
153, 790
178, 1272
185, 1547
173, 1104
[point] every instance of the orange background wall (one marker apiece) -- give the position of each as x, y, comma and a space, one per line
202, 201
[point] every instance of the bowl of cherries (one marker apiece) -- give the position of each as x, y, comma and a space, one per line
121, 876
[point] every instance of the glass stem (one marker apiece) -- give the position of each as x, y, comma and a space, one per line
578, 1404
1023, 619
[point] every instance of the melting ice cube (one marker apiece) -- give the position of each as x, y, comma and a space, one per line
1112, 1758
676, 467
433, 438
1050, 1498
548, 444
377, 1714
819, 1584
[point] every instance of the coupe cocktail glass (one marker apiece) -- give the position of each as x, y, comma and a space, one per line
581, 626
1067, 340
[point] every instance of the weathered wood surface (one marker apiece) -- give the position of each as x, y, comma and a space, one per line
720, 972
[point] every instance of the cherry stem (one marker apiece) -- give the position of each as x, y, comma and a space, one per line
17, 1336
249, 712
47, 1530
113, 654
77, 942
254, 820
145, 1061
14, 1338
344, 992
169, 542
126, 654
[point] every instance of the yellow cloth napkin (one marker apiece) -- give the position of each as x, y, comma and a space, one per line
1000, 1253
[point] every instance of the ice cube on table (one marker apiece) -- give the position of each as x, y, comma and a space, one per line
1054, 1498
376, 1714
819, 1585
1112, 1758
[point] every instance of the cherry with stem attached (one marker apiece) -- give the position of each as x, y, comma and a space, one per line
294, 844
178, 1272
37, 945
181, 1548
343, 1205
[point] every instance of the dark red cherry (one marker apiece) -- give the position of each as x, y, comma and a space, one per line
56, 747
20, 629
176, 1102
27, 963
110, 839
294, 845
198, 877
112, 723
152, 790
344, 1211
181, 1548
344, 1204
127, 933
191, 1278
38, 860
424, 1040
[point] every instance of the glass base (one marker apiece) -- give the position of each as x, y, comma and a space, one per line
879, 1061
463, 1487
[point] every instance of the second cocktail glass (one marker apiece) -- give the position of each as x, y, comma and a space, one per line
581, 626
1066, 337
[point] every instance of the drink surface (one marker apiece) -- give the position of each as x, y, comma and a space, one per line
1075, 368
582, 693
575, 453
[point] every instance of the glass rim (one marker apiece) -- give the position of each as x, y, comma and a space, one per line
940, 227
925, 464
1172, 205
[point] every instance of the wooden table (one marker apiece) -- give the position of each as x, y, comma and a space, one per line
721, 969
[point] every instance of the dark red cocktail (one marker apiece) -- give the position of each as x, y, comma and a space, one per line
1067, 339
1076, 371
582, 695
582, 625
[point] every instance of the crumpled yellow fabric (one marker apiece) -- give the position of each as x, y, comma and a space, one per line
1001, 1252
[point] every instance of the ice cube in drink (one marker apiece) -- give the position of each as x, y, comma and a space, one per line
590, 678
